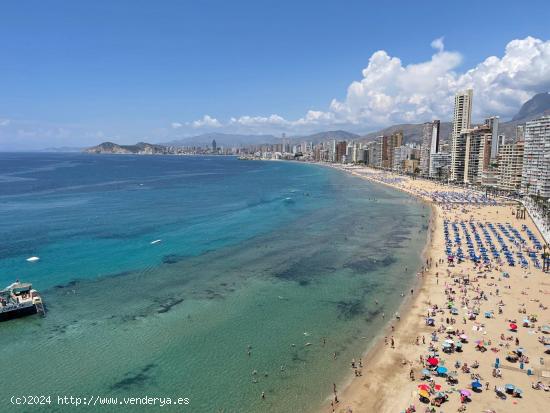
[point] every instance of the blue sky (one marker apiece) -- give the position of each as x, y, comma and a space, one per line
78, 72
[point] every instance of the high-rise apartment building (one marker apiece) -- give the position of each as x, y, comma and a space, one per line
430, 144
341, 148
492, 123
394, 141
461, 121
440, 165
536, 158
510, 166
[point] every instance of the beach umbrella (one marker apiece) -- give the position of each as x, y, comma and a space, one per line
433, 361
476, 385
424, 393
450, 329
466, 393
513, 326
446, 345
546, 329
463, 337
423, 386
520, 350
517, 390
426, 372
442, 370
437, 387
509, 387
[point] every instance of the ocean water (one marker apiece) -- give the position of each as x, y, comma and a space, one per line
271, 255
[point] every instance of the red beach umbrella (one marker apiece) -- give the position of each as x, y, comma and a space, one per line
424, 387
432, 361
513, 326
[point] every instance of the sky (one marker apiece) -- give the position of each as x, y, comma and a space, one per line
76, 73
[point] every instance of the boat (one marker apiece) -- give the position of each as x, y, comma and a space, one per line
20, 300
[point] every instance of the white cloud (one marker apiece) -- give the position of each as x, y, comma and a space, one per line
272, 120
176, 125
4, 122
206, 121
438, 44
390, 92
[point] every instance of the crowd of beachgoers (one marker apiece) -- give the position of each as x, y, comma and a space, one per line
476, 334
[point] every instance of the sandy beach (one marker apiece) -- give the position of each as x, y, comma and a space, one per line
475, 352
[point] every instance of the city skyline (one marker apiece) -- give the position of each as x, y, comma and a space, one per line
157, 73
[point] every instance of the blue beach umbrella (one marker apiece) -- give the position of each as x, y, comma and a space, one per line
426, 372
442, 370
476, 385
509, 387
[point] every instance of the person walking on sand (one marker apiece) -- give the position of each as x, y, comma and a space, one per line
392, 342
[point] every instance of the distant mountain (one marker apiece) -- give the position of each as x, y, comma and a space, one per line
222, 139
535, 107
140, 148
340, 135
412, 132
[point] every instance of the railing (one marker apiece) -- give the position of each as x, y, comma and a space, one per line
12, 307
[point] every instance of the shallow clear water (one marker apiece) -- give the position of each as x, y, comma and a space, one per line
268, 254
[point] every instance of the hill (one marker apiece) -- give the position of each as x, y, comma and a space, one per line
535, 107
412, 132
222, 139
141, 148
341, 135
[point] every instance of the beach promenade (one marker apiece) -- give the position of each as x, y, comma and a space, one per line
475, 334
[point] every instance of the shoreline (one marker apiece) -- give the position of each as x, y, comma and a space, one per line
376, 346
384, 385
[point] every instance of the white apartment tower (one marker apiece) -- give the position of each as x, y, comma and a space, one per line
536, 158
462, 119
430, 145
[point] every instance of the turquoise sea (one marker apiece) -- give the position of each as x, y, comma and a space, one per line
271, 255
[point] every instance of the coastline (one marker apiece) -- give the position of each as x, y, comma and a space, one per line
384, 385
374, 351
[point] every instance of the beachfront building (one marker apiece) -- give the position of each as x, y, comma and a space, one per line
510, 165
400, 154
492, 124
477, 153
396, 140
430, 144
375, 152
536, 158
461, 122
440, 165
340, 152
